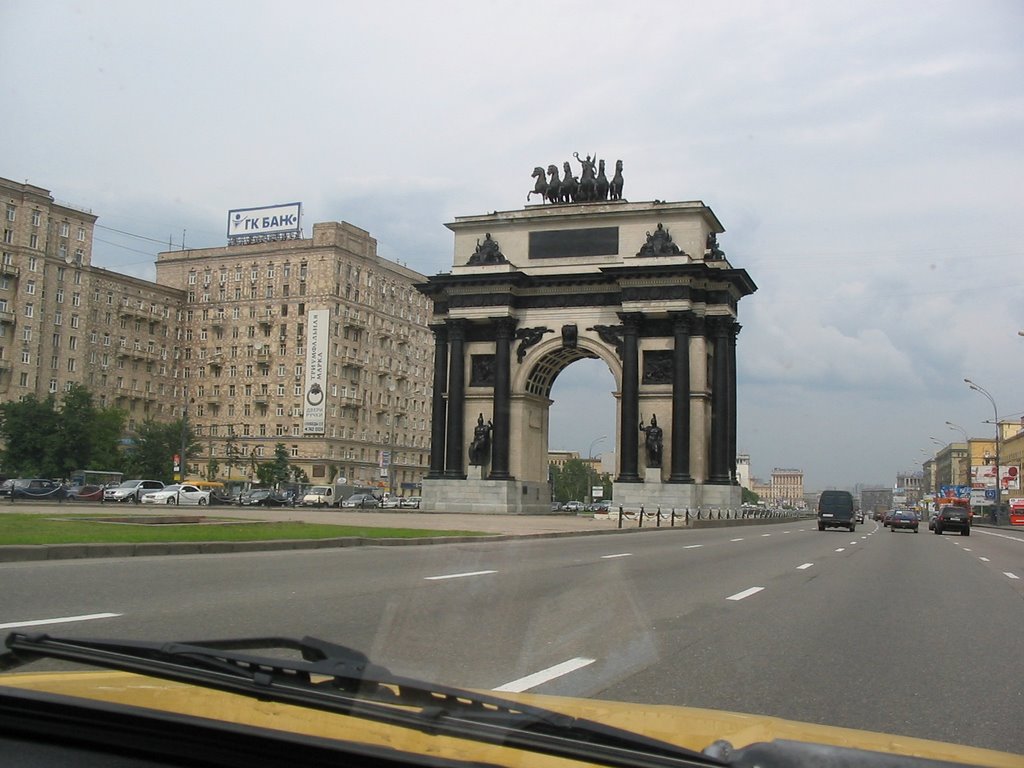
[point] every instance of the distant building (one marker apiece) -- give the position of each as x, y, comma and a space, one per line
787, 487
743, 470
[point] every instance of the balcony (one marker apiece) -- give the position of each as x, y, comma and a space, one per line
9, 270
7, 317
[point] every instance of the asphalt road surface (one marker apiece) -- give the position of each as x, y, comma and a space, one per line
917, 635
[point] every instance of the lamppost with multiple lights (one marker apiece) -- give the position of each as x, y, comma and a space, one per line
995, 413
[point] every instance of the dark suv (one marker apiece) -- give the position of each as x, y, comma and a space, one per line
835, 510
952, 518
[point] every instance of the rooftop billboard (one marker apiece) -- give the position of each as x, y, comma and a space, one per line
285, 218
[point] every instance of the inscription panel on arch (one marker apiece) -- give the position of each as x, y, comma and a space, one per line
574, 243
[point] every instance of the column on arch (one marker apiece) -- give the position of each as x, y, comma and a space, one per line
502, 408
680, 463
437, 403
720, 418
629, 425
733, 332
454, 466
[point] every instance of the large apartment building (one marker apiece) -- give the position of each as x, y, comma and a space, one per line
221, 336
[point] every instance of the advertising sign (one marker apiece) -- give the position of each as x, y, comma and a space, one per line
984, 476
314, 410
261, 222
954, 492
980, 498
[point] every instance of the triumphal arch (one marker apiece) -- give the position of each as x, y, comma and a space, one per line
645, 288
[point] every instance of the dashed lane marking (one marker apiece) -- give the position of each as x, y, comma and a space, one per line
61, 620
545, 675
745, 593
457, 575
621, 554
1009, 575
804, 567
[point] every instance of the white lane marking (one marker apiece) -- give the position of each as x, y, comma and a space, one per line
804, 567
621, 554
855, 542
457, 575
693, 546
1009, 575
764, 535
745, 593
61, 620
968, 550
984, 560
735, 539
537, 678
1018, 539
841, 549
787, 531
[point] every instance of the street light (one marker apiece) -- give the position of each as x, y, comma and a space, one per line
590, 465
995, 413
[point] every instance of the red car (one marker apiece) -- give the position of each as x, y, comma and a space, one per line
904, 519
85, 493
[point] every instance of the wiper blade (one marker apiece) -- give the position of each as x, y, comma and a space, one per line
338, 679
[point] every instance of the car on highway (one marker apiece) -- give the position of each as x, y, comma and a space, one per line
904, 520
953, 518
179, 493
835, 510
361, 501
859, 515
131, 490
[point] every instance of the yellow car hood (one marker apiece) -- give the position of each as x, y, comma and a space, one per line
687, 727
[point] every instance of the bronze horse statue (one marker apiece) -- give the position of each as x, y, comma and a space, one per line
601, 183
570, 186
541, 187
615, 189
554, 193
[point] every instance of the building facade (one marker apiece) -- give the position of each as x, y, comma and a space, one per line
222, 338
241, 344
787, 487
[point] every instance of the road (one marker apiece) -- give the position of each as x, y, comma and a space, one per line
916, 635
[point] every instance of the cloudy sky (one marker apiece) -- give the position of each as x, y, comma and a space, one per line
866, 160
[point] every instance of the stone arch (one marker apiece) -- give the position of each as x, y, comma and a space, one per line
577, 282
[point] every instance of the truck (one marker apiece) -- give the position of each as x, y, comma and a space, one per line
332, 494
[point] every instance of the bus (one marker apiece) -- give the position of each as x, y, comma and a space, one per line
103, 478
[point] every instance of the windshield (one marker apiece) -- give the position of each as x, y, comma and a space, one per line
638, 319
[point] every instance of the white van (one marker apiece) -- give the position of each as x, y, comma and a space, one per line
321, 496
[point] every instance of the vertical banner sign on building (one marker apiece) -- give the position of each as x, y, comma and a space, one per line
315, 407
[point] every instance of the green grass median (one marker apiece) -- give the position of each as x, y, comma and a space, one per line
86, 529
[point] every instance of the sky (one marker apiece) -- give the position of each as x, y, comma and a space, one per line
866, 160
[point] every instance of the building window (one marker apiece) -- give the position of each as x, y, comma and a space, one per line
30, 287
29, 310
81, 234
35, 218
65, 229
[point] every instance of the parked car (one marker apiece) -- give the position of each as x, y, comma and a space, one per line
904, 519
951, 518
85, 493
409, 502
131, 490
36, 488
391, 502
361, 501
574, 506
181, 493
264, 497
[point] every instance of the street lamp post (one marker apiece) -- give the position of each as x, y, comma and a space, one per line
590, 466
995, 414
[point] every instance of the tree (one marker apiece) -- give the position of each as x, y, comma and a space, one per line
86, 436
28, 428
571, 480
749, 497
156, 443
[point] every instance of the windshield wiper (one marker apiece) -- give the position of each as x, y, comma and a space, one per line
338, 679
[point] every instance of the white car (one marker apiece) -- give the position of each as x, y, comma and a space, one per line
178, 494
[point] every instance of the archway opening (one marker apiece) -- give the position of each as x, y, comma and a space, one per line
582, 419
